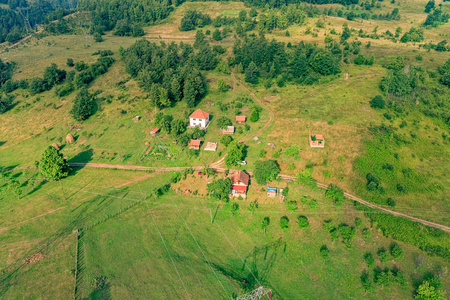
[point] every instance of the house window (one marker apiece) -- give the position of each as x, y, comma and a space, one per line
194, 120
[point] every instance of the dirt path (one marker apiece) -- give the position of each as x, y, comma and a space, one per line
285, 177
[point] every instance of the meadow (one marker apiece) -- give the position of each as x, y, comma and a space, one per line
110, 237
161, 247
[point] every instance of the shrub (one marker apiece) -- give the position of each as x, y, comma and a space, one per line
396, 251
70, 62
377, 102
226, 139
390, 202
223, 122
324, 251
292, 205
84, 105
366, 281
284, 222
366, 232
335, 193
369, 259
254, 116
388, 167
358, 222
303, 222
383, 255
265, 223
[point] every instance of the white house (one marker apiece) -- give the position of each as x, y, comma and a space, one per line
199, 118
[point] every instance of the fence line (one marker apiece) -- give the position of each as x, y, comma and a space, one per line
79, 254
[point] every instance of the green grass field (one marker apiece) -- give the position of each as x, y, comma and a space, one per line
129, 250
166, 247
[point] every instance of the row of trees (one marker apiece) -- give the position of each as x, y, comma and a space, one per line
170, 73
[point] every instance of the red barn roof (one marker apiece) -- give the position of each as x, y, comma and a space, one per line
240, 176
199, 114
154, 130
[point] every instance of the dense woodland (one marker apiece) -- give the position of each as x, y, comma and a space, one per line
302, 63
173, 70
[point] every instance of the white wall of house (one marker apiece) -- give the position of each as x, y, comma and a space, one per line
199, 122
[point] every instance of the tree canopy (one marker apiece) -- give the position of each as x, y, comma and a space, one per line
52, 164
220, 189
235, 153
266, 170
84, 105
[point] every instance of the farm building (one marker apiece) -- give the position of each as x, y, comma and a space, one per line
239, 184
210, 146
316, 141
199, 118
241, 119
229, 130
195, 144
154, 132
271, 192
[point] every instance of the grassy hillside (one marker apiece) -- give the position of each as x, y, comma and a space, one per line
147, 248
130, 244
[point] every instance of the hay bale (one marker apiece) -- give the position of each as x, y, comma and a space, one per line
56, 146
70, 139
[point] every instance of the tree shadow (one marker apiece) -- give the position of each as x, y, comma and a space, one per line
37, 187
82, 157
2, 143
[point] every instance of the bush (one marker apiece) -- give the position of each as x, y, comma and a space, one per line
83, 106
377, 102
383, 255
366, 232
335, 193
358, 222
369, 259
254, 116
223, 122
303, 222
70, 62
226, 139
284, 222
324, 251
291, 205
5, 103
396, 251
390, 202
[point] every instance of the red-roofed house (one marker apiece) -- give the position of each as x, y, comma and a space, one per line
239, 184
195, 144
241, 119
199, 118
154, 132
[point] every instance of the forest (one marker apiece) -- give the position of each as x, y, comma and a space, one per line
172, 69
302, 63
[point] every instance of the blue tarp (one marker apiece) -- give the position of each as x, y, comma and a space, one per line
272, 189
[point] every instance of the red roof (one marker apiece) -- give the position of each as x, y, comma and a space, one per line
239, 188
240, 176
194, 143
155, 130
199, 114
241, 118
